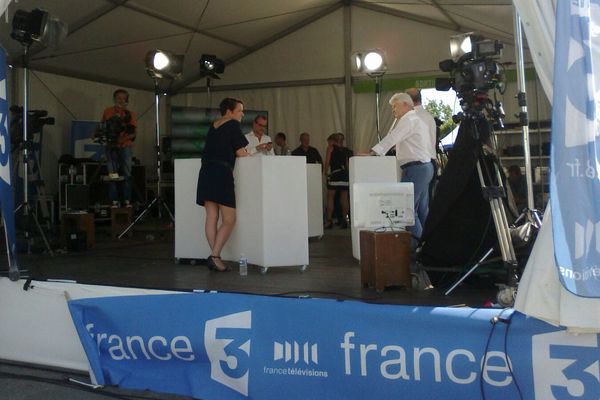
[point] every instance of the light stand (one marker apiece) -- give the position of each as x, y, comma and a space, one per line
378, 104
532, 214
29, 215
158, 200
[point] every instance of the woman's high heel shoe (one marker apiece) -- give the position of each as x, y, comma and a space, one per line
210, 262
328, 225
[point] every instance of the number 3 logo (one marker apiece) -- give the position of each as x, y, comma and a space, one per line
227, 344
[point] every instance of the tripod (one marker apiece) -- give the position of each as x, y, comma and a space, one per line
493, 191
28, 213
157, 200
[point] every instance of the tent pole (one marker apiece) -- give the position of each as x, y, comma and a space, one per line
522, 99
349, 130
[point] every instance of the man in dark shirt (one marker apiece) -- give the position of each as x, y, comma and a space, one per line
312, 155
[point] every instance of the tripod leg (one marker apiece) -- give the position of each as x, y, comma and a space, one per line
138, 217
164, 204
42, 234
465, 276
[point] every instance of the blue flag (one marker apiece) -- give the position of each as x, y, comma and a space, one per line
6, 193
575, 160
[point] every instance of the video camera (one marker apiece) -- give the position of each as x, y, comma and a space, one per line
473, 67
36, 120
108, 132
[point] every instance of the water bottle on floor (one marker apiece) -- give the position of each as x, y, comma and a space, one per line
243, 265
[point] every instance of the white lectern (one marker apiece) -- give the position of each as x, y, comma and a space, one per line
315, 199
272, 218
365, 170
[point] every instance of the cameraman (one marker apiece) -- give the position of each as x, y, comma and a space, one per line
118, 151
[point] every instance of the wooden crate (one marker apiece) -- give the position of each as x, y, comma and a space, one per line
385, 259
72, 223
120, 219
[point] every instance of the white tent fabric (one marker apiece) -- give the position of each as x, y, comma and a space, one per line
540, 294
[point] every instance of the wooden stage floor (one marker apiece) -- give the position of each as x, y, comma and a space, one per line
148, 261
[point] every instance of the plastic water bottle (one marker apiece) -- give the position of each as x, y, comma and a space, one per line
243, 265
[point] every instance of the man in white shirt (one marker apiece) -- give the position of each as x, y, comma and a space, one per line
415, 95
259, 144
411, 137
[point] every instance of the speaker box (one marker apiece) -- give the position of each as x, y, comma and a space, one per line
78, 197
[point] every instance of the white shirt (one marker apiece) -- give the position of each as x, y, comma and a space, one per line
253, 142
430, 122
411, 138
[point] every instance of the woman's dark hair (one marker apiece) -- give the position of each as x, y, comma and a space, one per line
228, 103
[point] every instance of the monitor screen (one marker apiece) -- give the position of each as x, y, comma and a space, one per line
383, 205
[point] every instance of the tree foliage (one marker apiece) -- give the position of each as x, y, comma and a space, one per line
442, 111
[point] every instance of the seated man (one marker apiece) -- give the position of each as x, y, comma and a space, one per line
281, 148
312, 155
259, 143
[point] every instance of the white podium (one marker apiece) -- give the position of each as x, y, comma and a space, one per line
366, 170
315, 199
272, 214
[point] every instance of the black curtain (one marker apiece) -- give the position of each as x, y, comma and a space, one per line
459, 228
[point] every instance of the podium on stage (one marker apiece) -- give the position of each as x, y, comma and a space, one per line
272, 213
369, 170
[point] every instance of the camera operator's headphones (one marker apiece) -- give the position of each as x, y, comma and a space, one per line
116, 92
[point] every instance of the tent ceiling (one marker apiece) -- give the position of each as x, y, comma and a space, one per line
108, 39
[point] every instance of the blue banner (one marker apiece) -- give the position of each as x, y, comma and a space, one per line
82, 145
6, 191
233, 346
575, 158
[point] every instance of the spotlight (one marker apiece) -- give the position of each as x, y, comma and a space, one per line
211, 66
37, 26
476, 45
163, 64
461, 45
370, 62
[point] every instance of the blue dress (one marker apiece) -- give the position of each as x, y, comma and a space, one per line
215, 179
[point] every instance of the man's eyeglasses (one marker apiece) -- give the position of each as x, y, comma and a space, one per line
261, 125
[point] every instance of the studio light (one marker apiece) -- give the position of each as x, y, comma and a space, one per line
461, 45
370, 62
37, 26
163, 64
211, 66
475, 44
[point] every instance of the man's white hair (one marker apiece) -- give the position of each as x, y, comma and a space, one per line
401, 98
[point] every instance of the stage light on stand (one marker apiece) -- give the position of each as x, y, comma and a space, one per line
372, 63
37, 26
461, 45
28, 27
162, 64
211, 67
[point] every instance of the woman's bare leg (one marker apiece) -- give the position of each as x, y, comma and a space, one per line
223, 233
210, 225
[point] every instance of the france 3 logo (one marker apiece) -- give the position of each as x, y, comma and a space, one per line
227, 344
4, 135
566, 366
